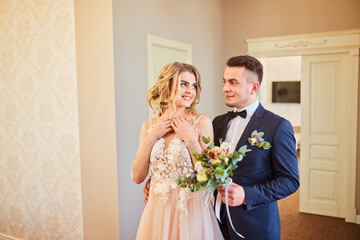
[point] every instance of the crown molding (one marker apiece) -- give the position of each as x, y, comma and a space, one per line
304, 42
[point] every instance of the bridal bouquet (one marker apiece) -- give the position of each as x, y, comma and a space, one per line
213, 167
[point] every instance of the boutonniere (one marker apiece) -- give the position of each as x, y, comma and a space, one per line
257, 140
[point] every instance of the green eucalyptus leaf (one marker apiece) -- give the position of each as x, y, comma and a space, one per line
213, 184
206, 140
224, 177
179, 180
261, 144
213, 187
219, 172
243, 148
236, 155
261, 134
254, 133
267, 147
247, 150
204, 158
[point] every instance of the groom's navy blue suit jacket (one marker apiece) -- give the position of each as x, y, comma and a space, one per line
266, 176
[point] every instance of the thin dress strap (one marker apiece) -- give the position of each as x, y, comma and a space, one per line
197, 120
150, 122
195, 123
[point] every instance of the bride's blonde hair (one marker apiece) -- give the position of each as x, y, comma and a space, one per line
167, 84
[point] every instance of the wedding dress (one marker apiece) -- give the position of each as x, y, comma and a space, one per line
173, 212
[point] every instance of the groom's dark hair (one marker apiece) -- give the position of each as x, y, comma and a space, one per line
250, 63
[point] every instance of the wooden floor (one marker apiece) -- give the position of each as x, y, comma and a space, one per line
296, 225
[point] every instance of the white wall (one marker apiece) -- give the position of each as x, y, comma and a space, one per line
281, 69
198, 23
97, 126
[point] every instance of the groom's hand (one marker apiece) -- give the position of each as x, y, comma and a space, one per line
236, 195
146, 190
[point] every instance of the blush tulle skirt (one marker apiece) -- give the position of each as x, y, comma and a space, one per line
169, 220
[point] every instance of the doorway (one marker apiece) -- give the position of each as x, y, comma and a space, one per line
281, 89
329, 91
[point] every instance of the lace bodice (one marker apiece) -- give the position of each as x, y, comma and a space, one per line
167, 164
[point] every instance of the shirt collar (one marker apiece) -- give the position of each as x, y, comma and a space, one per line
250, 109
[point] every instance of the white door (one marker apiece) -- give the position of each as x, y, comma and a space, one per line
324, 136
162, 51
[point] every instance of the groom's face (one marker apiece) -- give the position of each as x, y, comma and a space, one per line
239, 92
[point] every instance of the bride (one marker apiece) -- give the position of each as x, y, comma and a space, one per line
165, 145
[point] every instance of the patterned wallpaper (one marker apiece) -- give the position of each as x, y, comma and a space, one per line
40, 184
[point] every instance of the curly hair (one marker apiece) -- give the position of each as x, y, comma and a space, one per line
165, 89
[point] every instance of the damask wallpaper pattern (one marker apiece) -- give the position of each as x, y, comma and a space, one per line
40, 184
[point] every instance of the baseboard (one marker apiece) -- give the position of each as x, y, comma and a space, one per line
7, 237
357, 219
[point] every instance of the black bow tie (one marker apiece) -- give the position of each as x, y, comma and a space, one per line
233, 114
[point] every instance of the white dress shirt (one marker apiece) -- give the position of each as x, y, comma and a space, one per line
237, 125
235, 129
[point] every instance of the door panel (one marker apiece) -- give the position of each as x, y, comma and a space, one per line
323, 131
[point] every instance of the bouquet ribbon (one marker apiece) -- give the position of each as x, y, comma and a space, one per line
218, 205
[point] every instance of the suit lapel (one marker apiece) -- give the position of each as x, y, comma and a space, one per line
225, 125
253, 124
220, 128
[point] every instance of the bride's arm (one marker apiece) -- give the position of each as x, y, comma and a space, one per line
140, 165
205, 128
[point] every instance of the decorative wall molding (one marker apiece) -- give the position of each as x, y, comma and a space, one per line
300, 44
7, 237
288, 45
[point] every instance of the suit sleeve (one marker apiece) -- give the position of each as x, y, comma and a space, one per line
284, 165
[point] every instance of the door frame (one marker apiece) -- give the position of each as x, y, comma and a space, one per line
348, 42
167, 45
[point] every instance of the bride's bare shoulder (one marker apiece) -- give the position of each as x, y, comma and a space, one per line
148, 124
202, 119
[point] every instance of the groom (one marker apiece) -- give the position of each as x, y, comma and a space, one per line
263, 176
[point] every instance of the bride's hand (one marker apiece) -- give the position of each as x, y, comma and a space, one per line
146, 190
184, 129
160, 129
